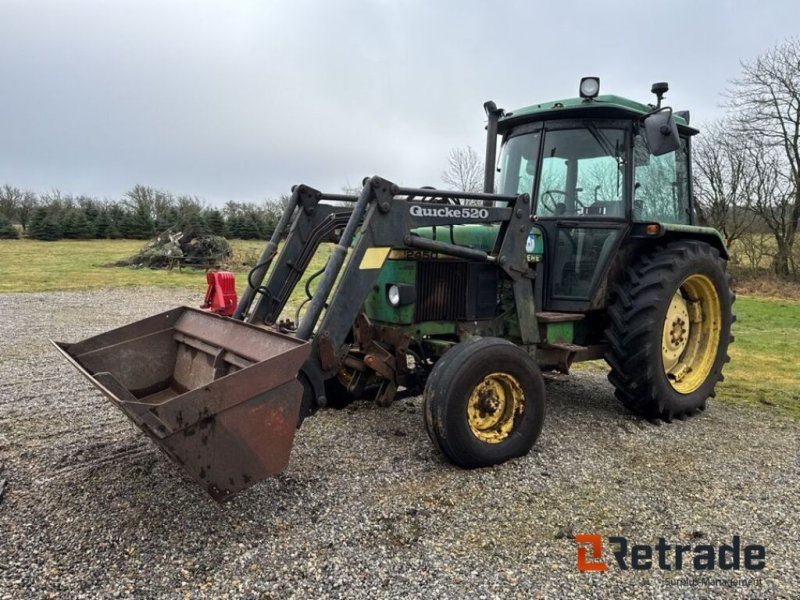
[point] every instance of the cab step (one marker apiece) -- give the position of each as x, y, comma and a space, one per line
558, 317
564, 347
555, 376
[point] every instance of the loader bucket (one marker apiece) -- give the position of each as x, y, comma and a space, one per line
219, 396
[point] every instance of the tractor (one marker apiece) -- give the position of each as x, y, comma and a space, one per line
582, 246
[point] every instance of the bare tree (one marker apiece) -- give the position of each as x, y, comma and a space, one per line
149, 202
766, 101
10, 198
723, 179
351, 190
27, 204
272, 210
57, 202
464, 170
188, 208
773, 198
755, 248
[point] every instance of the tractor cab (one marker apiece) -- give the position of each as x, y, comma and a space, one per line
587, 165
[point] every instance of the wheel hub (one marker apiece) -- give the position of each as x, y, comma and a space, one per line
676, 330
493, 405
488, 404
691, 333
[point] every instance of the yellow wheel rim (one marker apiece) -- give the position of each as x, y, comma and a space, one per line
691, 334
493, 406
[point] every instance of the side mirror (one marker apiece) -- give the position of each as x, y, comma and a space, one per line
662, 132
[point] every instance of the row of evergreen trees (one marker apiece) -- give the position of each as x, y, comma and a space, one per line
140, 214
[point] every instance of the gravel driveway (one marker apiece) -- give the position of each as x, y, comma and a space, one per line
367, 507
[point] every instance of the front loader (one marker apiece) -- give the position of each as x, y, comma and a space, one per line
588, 250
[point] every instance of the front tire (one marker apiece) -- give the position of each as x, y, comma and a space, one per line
484, 403
669, 330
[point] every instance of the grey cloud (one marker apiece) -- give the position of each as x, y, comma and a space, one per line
243, 99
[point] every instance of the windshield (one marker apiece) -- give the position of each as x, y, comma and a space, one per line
582, 170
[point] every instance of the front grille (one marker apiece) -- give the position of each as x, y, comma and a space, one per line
449, 290
442, 290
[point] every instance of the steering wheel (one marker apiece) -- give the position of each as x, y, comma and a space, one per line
552, 202
549, 201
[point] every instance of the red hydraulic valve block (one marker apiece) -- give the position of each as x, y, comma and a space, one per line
221, 293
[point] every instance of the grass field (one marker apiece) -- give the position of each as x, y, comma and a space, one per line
764, 369
32, 266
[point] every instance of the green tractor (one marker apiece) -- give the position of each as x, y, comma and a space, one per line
587, 250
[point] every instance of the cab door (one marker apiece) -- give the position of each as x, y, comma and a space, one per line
582, 208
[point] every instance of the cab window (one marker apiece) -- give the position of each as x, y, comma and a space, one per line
518, 165
661, 184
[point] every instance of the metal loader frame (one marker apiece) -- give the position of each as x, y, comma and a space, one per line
382, 218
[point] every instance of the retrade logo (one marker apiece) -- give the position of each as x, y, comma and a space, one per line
596, 545
668, 557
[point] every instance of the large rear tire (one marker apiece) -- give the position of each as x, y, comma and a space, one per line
484, 403
669, 330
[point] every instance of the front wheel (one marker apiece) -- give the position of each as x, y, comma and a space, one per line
669, 330
484, 403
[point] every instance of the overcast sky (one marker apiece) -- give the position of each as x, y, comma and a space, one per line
241, 99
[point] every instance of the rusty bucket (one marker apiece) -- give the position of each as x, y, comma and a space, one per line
219, 396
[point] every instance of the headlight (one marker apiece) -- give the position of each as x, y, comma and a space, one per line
393, 293
590, 86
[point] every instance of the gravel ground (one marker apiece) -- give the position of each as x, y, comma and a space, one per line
367, 507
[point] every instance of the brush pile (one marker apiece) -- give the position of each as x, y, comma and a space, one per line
190, 248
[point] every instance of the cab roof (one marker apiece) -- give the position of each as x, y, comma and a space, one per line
606, 106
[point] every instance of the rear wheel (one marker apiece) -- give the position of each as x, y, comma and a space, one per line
670, 329
484, 403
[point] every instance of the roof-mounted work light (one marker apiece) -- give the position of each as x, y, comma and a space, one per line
590, 87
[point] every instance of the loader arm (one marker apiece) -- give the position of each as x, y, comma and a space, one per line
312, 223
389, 219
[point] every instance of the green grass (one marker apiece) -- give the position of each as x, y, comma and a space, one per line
765, 358
33, 266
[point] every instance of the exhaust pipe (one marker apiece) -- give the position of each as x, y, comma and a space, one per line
493, 114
